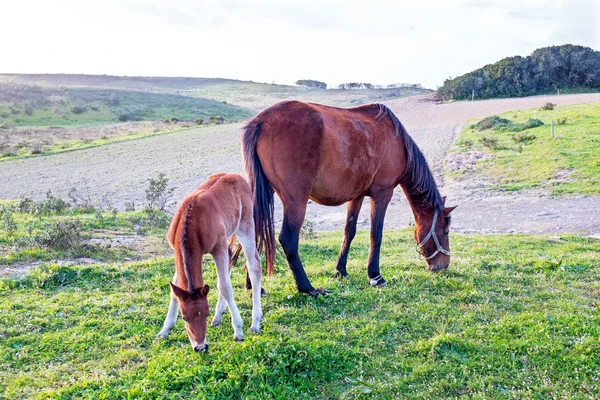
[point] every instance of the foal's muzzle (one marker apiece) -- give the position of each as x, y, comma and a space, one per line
201, 348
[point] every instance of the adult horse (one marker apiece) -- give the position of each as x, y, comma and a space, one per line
333, 156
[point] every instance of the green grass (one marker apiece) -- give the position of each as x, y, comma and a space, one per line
53, 106
516, 316
568, 163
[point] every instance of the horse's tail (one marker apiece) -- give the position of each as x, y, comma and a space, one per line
262, 193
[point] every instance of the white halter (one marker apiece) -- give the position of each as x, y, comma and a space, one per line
431, 234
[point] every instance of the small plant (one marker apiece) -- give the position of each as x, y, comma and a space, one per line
199, 121
81, 200
468, 144
8, 221
52, 204
130, 206
307, 230
78, 110
28, 109
61, 235
548, 106
158, 194
26, 205
489, 142
522, 137
562, 121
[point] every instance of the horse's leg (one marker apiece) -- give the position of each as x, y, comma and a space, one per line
171, 317
221, 257
219, 310
349, 232
293, 217
254, 271
379, 203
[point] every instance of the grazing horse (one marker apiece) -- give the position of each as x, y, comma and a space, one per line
333, 156
218, 209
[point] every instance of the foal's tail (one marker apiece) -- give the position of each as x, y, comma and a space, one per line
262, 192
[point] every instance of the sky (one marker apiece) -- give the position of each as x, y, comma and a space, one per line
279, 41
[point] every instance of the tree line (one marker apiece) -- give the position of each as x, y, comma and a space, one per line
547, 69
356, 85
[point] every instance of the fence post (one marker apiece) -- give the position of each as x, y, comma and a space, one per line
473, 95
552, 128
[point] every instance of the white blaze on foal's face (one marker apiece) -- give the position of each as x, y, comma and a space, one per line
194, 311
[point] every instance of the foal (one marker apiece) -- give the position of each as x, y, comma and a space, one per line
219, 208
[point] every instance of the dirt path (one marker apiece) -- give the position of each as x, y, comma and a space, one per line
118, 173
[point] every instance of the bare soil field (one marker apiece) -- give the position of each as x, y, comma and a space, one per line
117, 173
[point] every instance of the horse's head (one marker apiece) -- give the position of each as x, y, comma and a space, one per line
194, 311
431, 234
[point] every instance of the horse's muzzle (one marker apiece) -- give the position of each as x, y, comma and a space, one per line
440, 267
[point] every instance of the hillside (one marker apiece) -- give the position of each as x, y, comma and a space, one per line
37, 105
566, 68
253, 95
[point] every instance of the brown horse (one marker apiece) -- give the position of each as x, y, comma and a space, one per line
218, 209
333, 156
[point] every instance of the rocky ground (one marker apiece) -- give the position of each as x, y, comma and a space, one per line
118, 173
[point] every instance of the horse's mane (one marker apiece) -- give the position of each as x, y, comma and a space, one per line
418, 179
184, 250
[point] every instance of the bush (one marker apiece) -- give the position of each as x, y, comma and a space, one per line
493, 122
4, 115
530, 123
8, 221
26, 205
52, 204
199, 121
78, 110
28, 109
468, 144
522, 137
562, 121
61, 235
490, 142
123, 117
215, 119
113, 100
548, 106
158, 194
130, 206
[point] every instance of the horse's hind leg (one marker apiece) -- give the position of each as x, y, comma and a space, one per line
379, 203
293, 217
254, 272
349, 232
221, 257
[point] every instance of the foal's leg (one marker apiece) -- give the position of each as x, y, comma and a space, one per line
221, 257
254, 273
379, 203
293, 217
349, 232
171, 317
219, 310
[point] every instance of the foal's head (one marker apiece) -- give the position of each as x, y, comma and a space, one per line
431, 234
194, 311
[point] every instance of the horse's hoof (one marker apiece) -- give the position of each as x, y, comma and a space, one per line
340, 274
238, 338
215, 323
319, 292
378, 281
255, 329
263, 292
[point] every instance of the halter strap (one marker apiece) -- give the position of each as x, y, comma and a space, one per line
431, 234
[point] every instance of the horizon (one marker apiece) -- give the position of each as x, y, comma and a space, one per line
267, 42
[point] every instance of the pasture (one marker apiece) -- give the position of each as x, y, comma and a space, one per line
516, 316
517, 158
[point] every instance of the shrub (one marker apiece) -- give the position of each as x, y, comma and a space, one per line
548, 106
61, 235
8, 221
14, 110
81, 200
28, 109
489, 142
215, 119
94, 108
562, 121
199, 121
522, 137
123, 117
52, 204
78, 110
130, 206
530, 123
4, 115
113, 100
468, 144
307, 230
493, 122
158, 194
26, 205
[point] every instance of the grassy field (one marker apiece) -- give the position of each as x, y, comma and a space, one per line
568, 163
515, 317
29, 105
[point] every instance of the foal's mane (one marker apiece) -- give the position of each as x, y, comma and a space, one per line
184, 250
418, 179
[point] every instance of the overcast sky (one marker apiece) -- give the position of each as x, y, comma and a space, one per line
281, 41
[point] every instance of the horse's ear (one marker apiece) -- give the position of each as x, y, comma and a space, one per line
443, 199
448, 210
179, 292
205, 290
